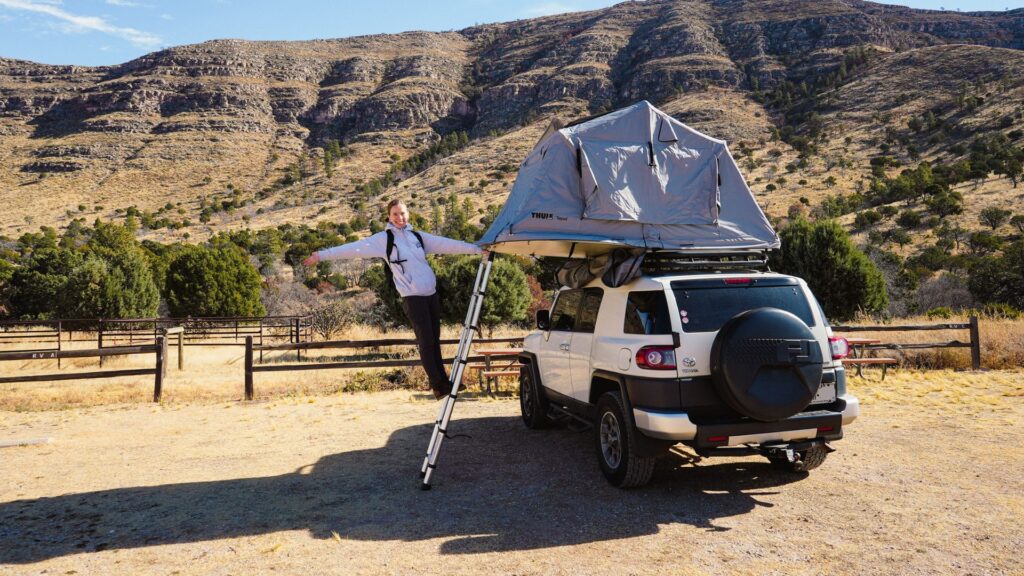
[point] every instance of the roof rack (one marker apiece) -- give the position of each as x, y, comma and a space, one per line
664, 262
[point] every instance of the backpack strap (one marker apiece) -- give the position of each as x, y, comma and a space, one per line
420, 238
389, 276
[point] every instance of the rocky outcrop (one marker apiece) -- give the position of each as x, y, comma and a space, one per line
485, 78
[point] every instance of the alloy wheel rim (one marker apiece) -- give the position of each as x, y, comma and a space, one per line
526, 398
611, 440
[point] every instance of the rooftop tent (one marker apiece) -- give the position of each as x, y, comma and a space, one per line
635, 177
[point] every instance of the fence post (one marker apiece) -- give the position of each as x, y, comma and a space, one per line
181, 350
975, 345
248, 368
161, 367
99, 339
298, 351
58, 343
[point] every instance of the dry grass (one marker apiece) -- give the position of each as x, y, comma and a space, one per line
1002, 343
216, 373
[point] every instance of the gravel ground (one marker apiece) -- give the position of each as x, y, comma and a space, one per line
330, 485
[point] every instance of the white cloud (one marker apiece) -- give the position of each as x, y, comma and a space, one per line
166, 17
549, 9
79, 23
123, 3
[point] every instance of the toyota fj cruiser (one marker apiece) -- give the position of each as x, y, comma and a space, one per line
725, 362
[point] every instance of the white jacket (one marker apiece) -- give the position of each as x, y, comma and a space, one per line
414, 277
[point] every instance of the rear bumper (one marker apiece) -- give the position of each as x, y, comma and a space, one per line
677, 426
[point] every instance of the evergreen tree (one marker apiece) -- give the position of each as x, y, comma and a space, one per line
844, 280
1000, 279
213, 282
508, 294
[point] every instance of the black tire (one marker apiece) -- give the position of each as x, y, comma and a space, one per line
809, 460
615, 438
533, 404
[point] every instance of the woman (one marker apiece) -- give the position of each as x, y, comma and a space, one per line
405, 251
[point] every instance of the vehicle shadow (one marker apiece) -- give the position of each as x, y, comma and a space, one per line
498, 487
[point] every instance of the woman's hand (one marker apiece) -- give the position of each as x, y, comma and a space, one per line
312, 260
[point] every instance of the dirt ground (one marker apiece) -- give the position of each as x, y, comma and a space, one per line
927, 481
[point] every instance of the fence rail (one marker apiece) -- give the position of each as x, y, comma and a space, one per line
206, 331
974, 341
251, 367
159, 371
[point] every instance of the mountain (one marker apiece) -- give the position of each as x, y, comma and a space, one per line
233, 132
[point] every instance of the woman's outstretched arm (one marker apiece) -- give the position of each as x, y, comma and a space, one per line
373, 247
440, 245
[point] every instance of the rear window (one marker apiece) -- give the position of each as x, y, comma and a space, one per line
563, 317
705, 305
588, 310
647, 313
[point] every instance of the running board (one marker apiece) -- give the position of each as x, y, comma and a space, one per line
560, 413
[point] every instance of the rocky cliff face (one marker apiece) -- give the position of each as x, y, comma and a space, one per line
242, 110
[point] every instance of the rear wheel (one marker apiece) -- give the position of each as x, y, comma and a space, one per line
806, 461
616, 442
532, 402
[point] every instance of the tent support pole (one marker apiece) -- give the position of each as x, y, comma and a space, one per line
444, 414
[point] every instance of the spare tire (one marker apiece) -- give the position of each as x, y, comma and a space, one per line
766, 364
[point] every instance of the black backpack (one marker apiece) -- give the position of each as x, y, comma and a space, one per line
388, 274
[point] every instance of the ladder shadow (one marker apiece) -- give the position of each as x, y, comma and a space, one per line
501, 488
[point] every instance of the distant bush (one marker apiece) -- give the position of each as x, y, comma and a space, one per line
942, 312
997, 280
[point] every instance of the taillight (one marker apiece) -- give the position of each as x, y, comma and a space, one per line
840, 348
738, 280
656, 358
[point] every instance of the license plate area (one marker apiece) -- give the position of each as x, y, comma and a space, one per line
826, 393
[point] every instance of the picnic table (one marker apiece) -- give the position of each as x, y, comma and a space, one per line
498, 362
858, 346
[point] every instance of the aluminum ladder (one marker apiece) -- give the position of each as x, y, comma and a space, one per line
444, 414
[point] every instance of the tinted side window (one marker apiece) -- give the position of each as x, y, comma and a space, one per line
588, 310
647, 313
563, 317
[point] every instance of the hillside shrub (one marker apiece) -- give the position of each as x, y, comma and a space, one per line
842, 277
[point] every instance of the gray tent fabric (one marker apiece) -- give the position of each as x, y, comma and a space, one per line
635, 177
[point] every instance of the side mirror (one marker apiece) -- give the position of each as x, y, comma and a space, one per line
543, 319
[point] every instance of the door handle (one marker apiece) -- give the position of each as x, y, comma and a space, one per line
564, 346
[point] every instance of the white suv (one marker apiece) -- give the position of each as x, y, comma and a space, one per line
728, 363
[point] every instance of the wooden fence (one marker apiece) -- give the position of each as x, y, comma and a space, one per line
159, 371
217, 331
974, 342
251, 367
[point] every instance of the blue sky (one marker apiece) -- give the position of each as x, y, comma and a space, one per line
95, 32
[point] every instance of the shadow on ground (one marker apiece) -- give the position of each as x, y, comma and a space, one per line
500, 488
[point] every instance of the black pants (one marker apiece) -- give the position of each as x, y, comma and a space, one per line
424, 313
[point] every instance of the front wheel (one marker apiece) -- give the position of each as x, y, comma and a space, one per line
532, 402
616, 440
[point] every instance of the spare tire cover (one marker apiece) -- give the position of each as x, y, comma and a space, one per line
766, 364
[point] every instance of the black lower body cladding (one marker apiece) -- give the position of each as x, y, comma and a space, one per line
697, 396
